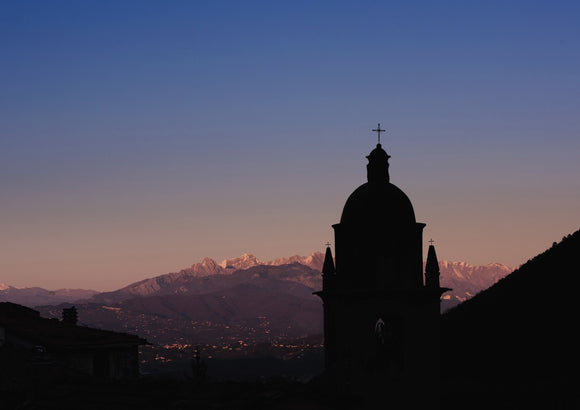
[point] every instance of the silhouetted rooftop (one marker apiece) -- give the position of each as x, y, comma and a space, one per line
28, 324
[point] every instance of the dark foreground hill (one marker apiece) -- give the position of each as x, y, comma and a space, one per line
522, 333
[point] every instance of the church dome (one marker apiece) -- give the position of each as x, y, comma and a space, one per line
378, 202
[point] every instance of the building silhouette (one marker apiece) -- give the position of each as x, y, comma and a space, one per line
61, 350
381, 313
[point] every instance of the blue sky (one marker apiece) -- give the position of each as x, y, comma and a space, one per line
137, 137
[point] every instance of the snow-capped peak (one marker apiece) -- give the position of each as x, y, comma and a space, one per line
244, 261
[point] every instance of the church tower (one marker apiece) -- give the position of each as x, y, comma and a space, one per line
381, 318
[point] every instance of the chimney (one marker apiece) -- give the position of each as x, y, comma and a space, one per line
70, 315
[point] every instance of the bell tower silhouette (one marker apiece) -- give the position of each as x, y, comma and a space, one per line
381, 318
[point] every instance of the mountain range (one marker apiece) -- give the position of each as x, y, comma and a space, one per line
208, 276
241, 298
254, 304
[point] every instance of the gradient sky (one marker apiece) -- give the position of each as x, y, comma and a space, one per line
137, 137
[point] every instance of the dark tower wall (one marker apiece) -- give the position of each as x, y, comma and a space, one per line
369, 256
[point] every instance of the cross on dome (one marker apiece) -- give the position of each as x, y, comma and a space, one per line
378, 130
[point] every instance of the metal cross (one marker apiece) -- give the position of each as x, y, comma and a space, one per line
378, 131
327, 243
431, 241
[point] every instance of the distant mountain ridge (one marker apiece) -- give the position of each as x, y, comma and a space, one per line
209, 276
254, 305
246, 260
466, 280
38, 296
